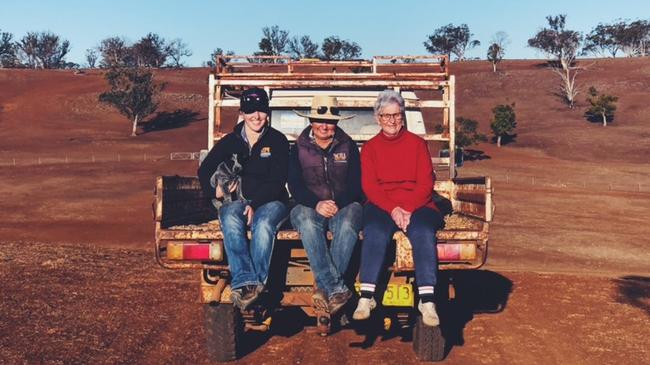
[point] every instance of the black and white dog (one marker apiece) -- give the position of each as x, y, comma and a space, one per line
227, 173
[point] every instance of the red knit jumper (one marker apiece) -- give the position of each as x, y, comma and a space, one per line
397, 172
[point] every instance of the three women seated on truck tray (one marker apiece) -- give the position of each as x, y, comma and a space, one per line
388, 187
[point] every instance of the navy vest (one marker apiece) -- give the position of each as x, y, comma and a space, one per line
325, 171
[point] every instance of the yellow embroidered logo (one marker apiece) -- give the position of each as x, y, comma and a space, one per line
266, 152
340, 157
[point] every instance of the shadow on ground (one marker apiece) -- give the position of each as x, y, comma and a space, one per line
476, 291
475, 155
635, 291
171, 120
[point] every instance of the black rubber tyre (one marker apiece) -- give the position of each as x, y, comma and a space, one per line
428, 343
224, 328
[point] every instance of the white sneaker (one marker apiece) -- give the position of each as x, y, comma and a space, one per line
363, 308
429, 314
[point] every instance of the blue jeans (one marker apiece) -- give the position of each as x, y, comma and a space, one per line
328, 265
249, 261
378, 230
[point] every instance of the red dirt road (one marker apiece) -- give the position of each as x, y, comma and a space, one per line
91, 304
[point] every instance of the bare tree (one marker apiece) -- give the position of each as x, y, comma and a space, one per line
115, 52
451, 39
150, 51
605, 38
91, 57
8, 56
497, 49
177, 49
215, 53
563, 45
43, 50
274, 41
27, 47
303, 47
635, 38
335, 48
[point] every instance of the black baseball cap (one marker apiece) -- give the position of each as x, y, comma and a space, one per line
254, 100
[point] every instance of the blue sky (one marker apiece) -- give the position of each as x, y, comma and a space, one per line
380, 27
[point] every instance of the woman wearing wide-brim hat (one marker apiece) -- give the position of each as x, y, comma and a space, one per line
326, 109
325, 182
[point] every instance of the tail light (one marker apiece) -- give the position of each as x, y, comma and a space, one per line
195, 251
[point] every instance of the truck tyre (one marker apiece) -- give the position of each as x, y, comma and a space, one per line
224, 328
428, 343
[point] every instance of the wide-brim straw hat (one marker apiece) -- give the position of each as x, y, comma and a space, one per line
324, 107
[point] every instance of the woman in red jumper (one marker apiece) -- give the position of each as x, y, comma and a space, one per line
397, 178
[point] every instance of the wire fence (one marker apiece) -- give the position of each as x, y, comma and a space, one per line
96, 158
499, 178
572, 184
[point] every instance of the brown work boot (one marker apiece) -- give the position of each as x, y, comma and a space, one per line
320, 300
243, 297
338, 301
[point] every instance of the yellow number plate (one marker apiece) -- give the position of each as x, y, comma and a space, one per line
396, 295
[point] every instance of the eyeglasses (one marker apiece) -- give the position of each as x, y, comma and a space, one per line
323, 109
386, 117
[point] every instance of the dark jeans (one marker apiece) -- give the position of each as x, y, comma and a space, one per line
378, 230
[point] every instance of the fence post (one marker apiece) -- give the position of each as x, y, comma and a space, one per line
14, 162
93, 158
39, 160
533, 180
118, 157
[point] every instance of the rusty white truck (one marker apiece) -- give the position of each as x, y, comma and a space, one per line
187, 231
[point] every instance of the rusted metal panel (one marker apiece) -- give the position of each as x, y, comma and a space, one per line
212, 292
423, 85
451, 94
471, 209
299, 275
462, 252
208, 235
489, 204
158, 199
471, 196
405, 78
460, 235
460, 181
305, 102
302, 299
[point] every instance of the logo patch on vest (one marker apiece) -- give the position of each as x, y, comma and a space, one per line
340, 157
266, 152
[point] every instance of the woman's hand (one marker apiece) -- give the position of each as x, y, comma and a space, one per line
401, 217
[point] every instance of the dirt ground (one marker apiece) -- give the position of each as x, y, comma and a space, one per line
567, 279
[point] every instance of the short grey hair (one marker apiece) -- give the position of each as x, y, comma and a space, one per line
387, 97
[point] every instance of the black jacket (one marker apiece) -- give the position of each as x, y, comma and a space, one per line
264, 174
316, 174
